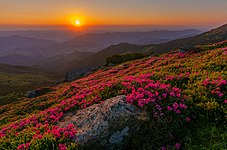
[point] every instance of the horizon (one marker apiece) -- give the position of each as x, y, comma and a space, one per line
106, 28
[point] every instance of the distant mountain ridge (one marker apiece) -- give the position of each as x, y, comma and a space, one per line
102, 40
212, 36
53, 35
15, 41
26, 51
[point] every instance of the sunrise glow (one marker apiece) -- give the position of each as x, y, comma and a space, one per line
77, 22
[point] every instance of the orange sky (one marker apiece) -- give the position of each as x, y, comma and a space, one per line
124, 12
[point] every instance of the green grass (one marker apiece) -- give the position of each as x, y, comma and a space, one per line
15, 81
207, 137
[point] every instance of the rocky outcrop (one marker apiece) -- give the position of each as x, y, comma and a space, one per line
105, 126
78, 73
38, 92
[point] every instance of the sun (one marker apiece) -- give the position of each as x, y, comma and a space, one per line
77, 22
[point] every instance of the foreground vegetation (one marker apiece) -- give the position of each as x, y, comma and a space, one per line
183, 93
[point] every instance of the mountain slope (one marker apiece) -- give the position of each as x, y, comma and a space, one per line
184, 95
17, 80
61, 62
57, 62
212, 36
98, 59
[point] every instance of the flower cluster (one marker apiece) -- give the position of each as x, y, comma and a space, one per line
156, 96
216, 86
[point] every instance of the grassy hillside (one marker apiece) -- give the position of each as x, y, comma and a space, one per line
184, 94
99, 58
15, 81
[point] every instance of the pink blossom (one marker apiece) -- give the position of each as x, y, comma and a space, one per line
220, 94
222, 82
206, 81
66, 133
172, 94
177, 145
164, 95
183, 106
27, 145
140, 103
156, 93
62, 147
178, 111
169, 108
158, 107
188, 119
21, 147
163, 148
175, 105
39, 136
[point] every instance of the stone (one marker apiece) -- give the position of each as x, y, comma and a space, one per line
78, 73
108, 125
38, 92
116, 138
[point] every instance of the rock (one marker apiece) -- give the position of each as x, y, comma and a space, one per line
110, 64
31, 94
37, 92
105, 126
78, 73
116, 138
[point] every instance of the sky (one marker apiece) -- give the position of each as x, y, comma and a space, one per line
114, 12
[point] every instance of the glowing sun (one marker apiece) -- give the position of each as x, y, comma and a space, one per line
77, 22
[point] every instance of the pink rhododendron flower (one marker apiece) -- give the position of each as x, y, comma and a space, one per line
177, 145
172, 94
62, 147
39, 136
206, 81
21, 147
158, 107
169, 108
163, 148
164, 95
140, 103
175, 106
183, 106
222, 82
188, 119
178, 112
